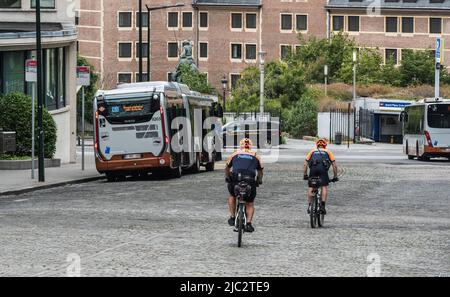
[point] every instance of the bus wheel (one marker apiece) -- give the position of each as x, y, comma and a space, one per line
110, 177
210, 166
196, 167
410, 157
176, 172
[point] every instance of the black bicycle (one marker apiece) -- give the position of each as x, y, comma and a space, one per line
317, 217
241, 190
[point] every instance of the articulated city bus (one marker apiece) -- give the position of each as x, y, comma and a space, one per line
427, 129
134, 131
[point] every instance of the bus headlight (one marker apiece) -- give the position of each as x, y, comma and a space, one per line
162, 161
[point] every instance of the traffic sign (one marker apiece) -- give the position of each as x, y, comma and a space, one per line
31, 70
83, 76
438, 50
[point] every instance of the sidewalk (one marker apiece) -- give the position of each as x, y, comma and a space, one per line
14, 182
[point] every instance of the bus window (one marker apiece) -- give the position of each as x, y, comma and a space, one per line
439, 116
130, 110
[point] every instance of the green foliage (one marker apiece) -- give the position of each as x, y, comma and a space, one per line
195, 80
284, 85
89, 91
369, 67
15, 115
302, 118
418, 67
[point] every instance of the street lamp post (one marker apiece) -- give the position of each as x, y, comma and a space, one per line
355, 58
224, 88
262, 58
149, 11
40, 93
325, 72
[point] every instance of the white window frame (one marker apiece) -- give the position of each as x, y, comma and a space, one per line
132, 20
118, 51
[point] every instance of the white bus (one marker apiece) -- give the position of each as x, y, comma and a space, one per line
134, 134
427, 129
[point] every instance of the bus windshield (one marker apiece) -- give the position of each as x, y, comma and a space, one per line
439, 116
131, 110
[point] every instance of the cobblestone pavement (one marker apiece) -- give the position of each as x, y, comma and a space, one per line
395, 214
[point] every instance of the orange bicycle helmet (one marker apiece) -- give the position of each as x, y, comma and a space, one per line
246, 144
321, 143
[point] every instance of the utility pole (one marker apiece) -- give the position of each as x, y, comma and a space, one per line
262, 57
140, 41
355, 59
325, 71
40, 94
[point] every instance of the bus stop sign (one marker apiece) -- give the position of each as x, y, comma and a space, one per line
83, 76
438, 50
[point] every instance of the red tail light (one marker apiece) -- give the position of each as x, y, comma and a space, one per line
427, 135
96, 144
163, 124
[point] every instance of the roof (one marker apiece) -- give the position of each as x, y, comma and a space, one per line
400, 5
17, 30
249, 3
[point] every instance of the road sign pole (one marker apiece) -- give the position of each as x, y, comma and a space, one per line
82, 127
33, 98
437, 80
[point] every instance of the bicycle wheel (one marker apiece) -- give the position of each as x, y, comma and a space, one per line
313, 214
240, 223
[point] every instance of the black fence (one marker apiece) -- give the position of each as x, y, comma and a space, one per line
350, 125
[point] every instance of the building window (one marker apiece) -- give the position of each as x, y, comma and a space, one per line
250, 21
338, 23
236, 20
435, 26
285, 51
172, 19
12, 72
286, 22
203, 50
250, 51
49, 4
236, 51
391, 24
234, 80
391, 56
144, 50
144, 77
144, 19
125, 50
125, 19
172, 50
124, 78
10, 3
353, 23
187, 19
302, 23
204, 20
407, 25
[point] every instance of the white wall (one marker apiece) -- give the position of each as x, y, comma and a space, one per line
63, 134
323, 125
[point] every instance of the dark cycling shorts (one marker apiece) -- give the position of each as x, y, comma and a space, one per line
322, 174
249, 199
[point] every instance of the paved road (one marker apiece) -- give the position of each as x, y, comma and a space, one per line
393, 211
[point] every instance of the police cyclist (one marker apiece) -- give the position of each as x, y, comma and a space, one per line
319, 161
245, 163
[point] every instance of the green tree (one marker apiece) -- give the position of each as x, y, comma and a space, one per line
89, 91
195, 80
302, 118
369, 67
15, 115
418, 67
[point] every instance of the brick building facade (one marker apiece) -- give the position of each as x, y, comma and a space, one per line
228, 34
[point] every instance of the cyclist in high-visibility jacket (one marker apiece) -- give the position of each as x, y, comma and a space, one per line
246, 163
319, 161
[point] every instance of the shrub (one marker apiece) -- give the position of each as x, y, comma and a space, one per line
15, 115
302, 118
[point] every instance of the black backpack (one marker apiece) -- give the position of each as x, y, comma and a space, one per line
322, 161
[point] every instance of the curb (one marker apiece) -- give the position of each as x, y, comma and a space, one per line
50, 186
